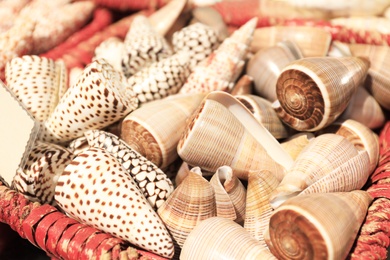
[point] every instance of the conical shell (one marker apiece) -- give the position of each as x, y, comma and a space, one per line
313, 92
190, 203
112, 50
267, 64
95, 189
365, 109
295, 143
98, 99
230, 194
263, 112
243, 86
223, 132
155, 128
377, 81
327, 154
318, 226
151, 180
220, 238
37, 82
258, 209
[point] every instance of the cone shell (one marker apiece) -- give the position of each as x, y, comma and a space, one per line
328, 157
143, 46
295, 143
155, 128
267, 64
216, 136
151, 180
38, 178
197, 194
258, 210
37, 82
263, 112
318, 226
98, 99
313, 92
96, 190
220, 238
112, 50
230, 194
377, 81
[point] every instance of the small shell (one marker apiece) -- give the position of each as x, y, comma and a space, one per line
230, 194
318, 226
313, 92
112, 50
211, 17
155, 128
243, 86
220, 238
295, 143
263, 111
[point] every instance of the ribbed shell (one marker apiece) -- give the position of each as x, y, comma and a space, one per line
155, 128
313, 92
317, 226
190, 203
295, 143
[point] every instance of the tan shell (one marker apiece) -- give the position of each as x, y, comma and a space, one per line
313, 92
295, 143
223, 132
312, 41
317, 226
263, 111
155, 128
243, 86
230, 194
220, 238
211, 17
330, 159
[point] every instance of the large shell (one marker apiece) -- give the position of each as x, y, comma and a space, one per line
230, 194
190, 203
263, 112
223, 132
317, 226
313, 92
258, 209
329, 159
295, 143
155, 128
377, 81
267, 64
220, 238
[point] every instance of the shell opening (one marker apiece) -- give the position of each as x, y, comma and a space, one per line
280, 197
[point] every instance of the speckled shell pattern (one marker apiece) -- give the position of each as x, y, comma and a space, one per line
317, 226
217, 238
98, 99
95, 189
155, 128
37, 82
313, 92
161, 78
38, 178
151, 180
143, 46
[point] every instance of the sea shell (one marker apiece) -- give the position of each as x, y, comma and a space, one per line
197, 40
197, 194
220, 238
95, 189
230, 194
155, 128
220, 70
377, 81
98, 99
243, 86
223, 132
258, 209
160, 79
112, 50
267, 64
295, 143
38, 178
330, 162
78, 145
211, 17
317, 226
263, 111
43, 83
366, 23
151, 180
312, 41
143, 46
313, 92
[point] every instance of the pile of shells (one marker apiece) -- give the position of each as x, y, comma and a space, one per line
199, 146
